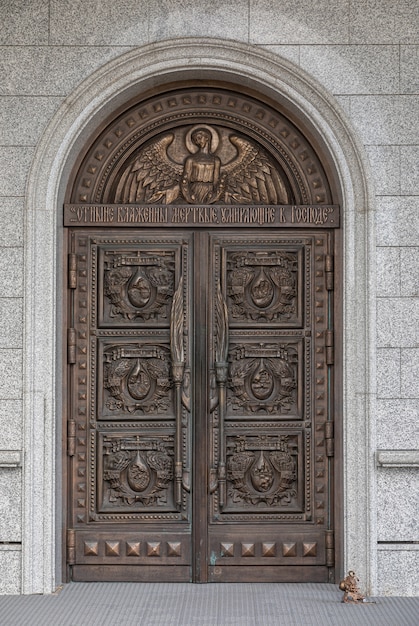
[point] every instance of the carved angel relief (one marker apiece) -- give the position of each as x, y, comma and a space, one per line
137, 470
202, 165
262, 470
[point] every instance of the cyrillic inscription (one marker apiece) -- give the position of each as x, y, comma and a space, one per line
181, 215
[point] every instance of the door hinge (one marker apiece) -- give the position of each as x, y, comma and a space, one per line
71, 546
71, 345
330, 347
71, 437
330, 548
329, 438
329, 271
72, 270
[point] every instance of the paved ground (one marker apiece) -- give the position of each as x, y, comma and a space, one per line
177, 604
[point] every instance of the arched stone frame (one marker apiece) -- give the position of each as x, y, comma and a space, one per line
80, 114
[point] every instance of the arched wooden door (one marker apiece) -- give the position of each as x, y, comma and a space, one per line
201, 389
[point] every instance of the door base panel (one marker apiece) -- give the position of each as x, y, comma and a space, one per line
225, 574
271, 574
131, 573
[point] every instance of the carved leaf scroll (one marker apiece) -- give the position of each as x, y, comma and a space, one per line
176, 326
221, 334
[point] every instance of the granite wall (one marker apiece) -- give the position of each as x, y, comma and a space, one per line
366, 55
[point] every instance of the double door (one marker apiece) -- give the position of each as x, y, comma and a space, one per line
199, 405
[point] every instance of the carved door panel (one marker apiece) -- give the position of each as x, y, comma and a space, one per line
129, 426
199, 429
269, 514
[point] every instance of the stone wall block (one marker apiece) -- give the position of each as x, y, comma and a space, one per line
10, 504
24, 23
397, 221
409, 170
14, 166
10, 374
397, 322
397, 424
10, 569
388, 272
383, 22
11, 222
409, 363
24, 118
171, 18
385, 168
353, 69
291, 22
388, 373
290, 52
409, 74
397, 491
11, 424
11, 322
409, 268
398, 566
386, 119
122, 23
11, 272
50, 70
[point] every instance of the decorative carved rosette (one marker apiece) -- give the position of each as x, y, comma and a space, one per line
262, 286
262, 470
137, 379
263, 378
139, 286
137, 471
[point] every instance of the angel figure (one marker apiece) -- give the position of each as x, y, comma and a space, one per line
201, 182
250, 177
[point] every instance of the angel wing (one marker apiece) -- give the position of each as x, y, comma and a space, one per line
153, 177
251, 177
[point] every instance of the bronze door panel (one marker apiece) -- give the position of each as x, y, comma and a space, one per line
131, 509
199, 422
269, 509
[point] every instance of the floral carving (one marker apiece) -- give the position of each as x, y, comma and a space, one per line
262, 378
136, 378
262, 286
137, 470
262, 470
139, 286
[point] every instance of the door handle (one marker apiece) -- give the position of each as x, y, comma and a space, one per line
221, 373
178, 368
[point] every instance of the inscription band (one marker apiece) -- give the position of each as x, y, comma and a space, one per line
132, 215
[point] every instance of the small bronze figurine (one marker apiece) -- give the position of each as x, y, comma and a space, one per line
349, 586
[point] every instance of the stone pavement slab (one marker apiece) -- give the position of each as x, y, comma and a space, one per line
181, 604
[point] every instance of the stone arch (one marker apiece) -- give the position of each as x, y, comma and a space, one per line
85, 110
